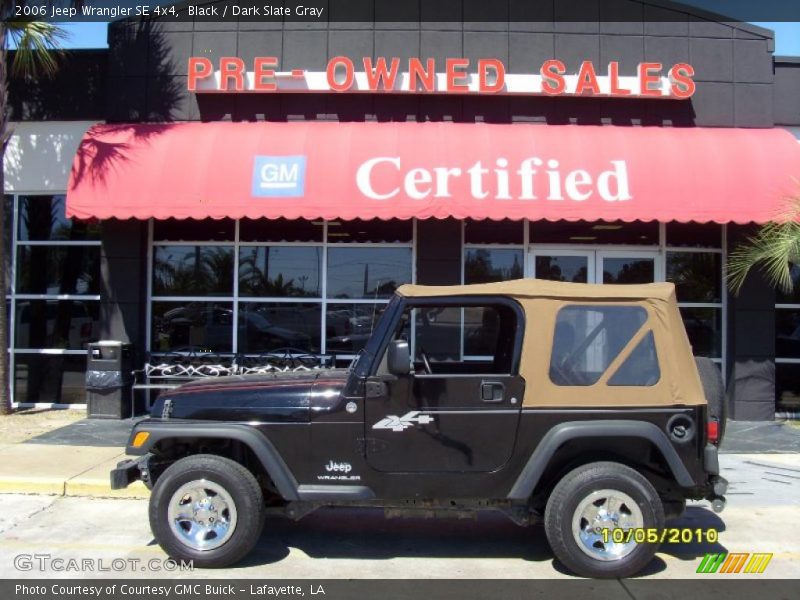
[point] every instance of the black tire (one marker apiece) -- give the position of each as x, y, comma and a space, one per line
711, 378
566, 498
241, 487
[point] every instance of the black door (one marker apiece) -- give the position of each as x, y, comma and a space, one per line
459, 413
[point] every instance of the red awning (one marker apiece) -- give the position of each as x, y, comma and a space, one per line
328, 170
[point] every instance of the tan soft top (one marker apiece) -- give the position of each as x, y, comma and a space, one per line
541, 288
679, 384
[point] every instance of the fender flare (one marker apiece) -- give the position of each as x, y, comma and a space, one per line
264, 450
562, 433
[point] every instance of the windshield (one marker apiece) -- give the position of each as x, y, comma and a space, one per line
362, 360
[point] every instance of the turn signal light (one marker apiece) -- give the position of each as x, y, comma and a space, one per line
140, 438
712, 431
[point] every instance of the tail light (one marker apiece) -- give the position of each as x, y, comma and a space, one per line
86, 330
712, 431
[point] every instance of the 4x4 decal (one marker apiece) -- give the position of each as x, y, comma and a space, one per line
396, 423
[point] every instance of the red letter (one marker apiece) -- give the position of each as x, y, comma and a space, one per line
587, 79
231, 67
499, 71
426, 76
683, 85
264, 67
378, 74
452, 74
613, 75
552, 77
646, 78
347, 83
199, 68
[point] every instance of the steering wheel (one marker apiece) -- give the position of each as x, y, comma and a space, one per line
425, 361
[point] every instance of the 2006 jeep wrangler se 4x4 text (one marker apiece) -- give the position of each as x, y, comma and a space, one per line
579, 406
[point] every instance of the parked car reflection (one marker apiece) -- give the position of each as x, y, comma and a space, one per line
210, 326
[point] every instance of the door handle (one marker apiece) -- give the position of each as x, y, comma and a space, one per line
492, 391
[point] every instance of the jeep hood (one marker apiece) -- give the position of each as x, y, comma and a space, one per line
284, 397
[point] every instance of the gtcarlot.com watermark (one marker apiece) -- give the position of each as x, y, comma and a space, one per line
48, 562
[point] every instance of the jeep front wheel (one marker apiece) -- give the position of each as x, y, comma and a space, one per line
598, 517
207, 509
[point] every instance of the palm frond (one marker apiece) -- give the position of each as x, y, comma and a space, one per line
773, 248
38, 46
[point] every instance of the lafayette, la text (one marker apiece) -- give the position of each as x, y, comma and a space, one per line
179, 589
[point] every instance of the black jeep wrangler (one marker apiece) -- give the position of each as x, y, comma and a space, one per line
579, 406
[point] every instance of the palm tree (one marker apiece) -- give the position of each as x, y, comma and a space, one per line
37, 46
775, 247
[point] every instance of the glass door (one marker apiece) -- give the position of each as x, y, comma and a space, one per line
596, 266
556, 264
624, 266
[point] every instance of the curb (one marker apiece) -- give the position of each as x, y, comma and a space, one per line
74, 487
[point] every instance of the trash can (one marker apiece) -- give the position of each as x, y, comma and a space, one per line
109, 380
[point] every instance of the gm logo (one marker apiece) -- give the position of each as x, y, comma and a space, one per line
279, 176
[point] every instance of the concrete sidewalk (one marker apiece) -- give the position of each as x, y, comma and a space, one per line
63, 471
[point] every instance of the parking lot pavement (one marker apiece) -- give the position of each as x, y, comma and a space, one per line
763, 506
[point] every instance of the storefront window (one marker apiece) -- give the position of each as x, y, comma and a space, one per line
43, 218
280, 230
280, 271
58, 269
281, 284
358, 272
574, 269
787, 347
63, 324
55, 305
694, 264
193, 271
488, 231
704, 328
787, 333
192, 326
267, 326
348, 326
793, 297
392, 231
694, 235
787, 387
484, 265
697, 276
190, 230
8, 215
57, 379
638, 233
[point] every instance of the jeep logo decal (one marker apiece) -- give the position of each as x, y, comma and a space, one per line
396, 423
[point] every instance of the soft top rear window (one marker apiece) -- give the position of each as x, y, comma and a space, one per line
587, 339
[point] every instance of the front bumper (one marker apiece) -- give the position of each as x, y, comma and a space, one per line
130, 470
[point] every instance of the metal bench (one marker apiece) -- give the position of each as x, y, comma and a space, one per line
164, 371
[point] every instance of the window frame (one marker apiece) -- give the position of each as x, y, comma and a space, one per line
455, 301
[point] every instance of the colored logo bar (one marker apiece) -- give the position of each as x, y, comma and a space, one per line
734, 562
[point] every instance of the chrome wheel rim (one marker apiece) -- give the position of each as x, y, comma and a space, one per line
202, 515
606, 511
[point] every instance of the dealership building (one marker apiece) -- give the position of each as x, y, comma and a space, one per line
231, 188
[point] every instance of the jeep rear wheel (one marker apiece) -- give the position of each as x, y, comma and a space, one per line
207, 509
588, 506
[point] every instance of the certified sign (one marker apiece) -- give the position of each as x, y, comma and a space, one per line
279, 176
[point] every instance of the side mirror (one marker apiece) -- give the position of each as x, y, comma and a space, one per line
399, 358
